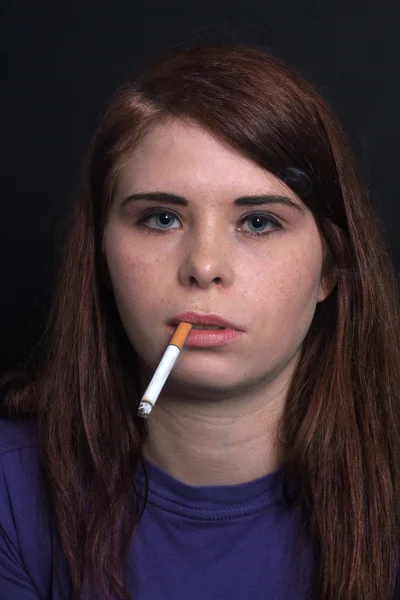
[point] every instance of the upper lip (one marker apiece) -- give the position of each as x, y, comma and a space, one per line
203, 319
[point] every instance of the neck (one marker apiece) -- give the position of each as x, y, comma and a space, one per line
223, 442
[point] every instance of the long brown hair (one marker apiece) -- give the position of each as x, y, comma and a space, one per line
341, 426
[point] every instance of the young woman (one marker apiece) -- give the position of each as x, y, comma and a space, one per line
219, 190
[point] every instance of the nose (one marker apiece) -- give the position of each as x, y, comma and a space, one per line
207, 260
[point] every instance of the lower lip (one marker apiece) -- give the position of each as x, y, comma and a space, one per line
202, 338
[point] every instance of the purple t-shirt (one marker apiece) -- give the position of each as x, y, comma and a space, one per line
193, 543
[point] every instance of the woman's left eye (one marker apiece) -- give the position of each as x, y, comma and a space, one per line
257, 224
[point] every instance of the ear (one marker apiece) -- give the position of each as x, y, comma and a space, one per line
326, 287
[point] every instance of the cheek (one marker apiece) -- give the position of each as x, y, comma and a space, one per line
286, 290
138, 278
139, 294
138, 284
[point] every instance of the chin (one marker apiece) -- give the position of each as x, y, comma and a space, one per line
206, 387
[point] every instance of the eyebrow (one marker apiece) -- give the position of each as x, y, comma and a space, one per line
254, 200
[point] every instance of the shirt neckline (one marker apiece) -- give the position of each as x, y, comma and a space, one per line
209, 502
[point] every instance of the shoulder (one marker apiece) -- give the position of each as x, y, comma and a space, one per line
16, 435
20, 471
25, 527
19, 464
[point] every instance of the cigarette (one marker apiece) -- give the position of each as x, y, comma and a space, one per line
164, 369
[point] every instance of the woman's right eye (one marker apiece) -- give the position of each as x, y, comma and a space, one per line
159, 220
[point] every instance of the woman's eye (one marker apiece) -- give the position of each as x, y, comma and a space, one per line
259, 224
159, 220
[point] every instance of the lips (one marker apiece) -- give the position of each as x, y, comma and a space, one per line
208, 321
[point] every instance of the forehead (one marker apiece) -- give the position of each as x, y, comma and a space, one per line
187, 159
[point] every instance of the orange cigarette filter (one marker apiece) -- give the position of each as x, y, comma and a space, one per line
180, 335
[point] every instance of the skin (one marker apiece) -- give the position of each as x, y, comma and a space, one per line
216, 420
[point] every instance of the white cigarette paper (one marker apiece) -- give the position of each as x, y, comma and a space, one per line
163, 370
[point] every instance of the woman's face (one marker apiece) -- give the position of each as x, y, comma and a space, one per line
199, 248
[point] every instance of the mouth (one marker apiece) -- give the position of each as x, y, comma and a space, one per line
204, 321
206, 327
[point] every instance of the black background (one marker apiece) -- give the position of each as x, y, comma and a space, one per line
60, 62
